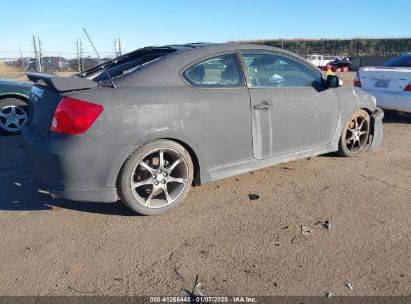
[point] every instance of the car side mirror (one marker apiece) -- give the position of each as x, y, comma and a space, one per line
334, 81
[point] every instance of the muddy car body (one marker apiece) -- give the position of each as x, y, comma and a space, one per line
172, 117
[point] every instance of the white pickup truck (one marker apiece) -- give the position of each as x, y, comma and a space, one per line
320, 60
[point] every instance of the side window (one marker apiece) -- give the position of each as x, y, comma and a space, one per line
271, 70
222, 71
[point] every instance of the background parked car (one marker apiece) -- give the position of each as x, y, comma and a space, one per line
390, 84
54, 64
86, 63
30, 64
14, 98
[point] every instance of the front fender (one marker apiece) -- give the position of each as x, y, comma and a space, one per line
351, 100
377, 130
365, 100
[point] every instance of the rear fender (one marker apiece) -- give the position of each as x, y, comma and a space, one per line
127, 151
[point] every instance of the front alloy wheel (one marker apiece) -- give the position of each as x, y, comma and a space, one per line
156, 177
355, 136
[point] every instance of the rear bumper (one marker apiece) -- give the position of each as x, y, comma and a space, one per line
392, 101
102, 195
377, 130
73, 167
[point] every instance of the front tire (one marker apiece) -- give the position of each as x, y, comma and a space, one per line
13, 115
156, 177
355, 136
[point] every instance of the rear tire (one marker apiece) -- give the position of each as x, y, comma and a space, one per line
355, 135
156, 177
13, 115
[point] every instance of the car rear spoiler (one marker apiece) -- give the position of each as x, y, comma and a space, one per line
62, 84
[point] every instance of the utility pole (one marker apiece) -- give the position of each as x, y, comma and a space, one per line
35, 53
40, 54
119, 47
81, 55
21, 53
21, 57
115, 48
78, 55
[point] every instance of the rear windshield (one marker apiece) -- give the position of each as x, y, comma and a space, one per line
125, 64
403, 61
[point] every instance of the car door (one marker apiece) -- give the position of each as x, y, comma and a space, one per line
222, 120
291, 109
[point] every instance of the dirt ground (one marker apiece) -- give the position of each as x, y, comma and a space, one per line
235, 245
12, 73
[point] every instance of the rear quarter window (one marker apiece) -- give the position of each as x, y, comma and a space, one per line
125, 64
217, 72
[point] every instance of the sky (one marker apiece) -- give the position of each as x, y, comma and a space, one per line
142, 23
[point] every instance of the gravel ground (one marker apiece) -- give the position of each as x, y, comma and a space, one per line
235, 245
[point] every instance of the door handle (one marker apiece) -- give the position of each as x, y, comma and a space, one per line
263, 106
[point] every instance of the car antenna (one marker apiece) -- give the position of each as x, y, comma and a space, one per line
99, 58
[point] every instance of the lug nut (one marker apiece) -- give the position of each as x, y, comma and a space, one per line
156, 183
159, 171
163, 181
154, 177
165, 174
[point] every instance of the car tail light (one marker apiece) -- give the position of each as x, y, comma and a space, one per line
357, 80
73, 116
408, 87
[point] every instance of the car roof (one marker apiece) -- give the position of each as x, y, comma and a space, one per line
200, 49
184, 55
189, 51
217, 47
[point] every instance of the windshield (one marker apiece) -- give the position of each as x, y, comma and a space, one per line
403, 61
125, 64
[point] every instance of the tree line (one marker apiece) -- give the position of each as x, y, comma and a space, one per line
343, 47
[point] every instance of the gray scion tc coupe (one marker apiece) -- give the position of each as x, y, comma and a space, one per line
150, 124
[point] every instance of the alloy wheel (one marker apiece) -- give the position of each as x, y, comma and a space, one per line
358, 130
12, 118
159, 178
